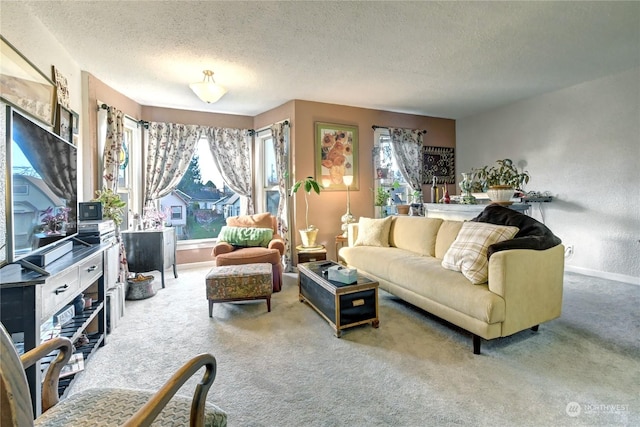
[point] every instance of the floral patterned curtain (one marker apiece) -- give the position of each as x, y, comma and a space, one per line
112, 147
110, 165
407, 149
170, 149
280, 137
231, 150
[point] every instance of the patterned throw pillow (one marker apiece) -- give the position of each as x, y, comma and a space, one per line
373, 232
468, 253
245, 236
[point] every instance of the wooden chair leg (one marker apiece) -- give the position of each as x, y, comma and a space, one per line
210, 308
269, 304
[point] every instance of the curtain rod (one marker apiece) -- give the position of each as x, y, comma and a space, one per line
254, 131
143, 123
374, 127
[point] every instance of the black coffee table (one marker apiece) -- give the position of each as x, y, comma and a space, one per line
342, 305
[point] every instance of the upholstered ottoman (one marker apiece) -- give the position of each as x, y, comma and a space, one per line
239, 282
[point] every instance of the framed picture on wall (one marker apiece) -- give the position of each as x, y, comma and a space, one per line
24, 86
62, 87
336, 148
439, 162
75, 119
64, 123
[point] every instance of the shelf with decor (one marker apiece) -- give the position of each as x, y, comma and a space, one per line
28, 300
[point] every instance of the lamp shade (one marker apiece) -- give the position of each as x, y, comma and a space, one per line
347, 179
208, 90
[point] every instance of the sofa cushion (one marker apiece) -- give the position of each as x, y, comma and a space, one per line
261, 220
468, 253
447, 233
373, 232
415, 234
245, 236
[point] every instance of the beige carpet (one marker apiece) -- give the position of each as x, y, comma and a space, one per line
286, 368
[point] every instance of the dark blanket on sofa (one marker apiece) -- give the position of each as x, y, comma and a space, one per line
532, 235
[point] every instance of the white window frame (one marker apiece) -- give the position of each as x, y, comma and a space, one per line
261, 188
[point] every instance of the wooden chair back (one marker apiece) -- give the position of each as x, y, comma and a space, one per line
15, 400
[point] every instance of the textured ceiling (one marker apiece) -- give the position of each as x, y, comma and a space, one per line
443, 59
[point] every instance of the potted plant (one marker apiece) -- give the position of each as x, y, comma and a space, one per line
112, 205
309, 234
501, 180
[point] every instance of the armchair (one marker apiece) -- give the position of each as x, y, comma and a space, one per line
101, 406
227, 254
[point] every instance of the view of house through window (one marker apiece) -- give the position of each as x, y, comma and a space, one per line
200, 204
390, 187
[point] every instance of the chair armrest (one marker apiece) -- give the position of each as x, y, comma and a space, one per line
50, 384
277, 242
222, 248
531, 284
145, 415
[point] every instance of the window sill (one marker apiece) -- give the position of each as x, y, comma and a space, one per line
187, 245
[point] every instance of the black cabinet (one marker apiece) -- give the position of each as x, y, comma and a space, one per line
29, 299
151, 250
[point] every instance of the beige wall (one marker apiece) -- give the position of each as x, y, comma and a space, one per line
326, 209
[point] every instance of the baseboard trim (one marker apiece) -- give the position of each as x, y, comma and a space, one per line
604, 275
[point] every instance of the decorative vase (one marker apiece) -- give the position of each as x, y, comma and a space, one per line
465, 186
403, 209
309, 237
500, 194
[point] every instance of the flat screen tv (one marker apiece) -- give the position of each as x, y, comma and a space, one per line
42, 188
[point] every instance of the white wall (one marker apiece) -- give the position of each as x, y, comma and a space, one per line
582, 144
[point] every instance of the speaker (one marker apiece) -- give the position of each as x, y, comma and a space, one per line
90, 211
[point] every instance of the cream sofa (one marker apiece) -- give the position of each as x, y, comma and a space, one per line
524, 286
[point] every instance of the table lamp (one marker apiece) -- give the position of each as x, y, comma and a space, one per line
347, 218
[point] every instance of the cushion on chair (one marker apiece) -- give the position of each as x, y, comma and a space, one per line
113, 407
245, 236
249, 256
261, 220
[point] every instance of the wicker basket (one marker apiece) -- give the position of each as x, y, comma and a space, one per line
140, 287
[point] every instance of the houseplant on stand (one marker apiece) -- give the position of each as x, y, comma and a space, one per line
501, 180
309, 234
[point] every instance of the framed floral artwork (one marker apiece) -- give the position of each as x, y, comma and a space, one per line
24, 86
336, 149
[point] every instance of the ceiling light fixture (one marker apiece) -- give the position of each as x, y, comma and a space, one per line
208, 90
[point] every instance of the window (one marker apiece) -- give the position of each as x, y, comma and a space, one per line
199, 205
267, 192
389, 183
176, 212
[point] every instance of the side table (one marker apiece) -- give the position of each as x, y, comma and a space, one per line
317, 253
340, 242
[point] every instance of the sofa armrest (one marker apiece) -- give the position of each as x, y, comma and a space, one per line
530, 282
277, 243
222, 248
352, 233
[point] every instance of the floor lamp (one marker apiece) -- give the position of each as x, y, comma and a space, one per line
347, 218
